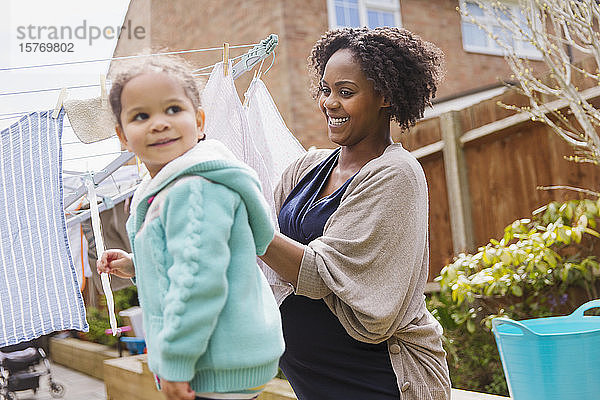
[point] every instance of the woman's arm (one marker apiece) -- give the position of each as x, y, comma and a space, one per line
284, 256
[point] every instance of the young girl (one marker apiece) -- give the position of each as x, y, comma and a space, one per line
212, 326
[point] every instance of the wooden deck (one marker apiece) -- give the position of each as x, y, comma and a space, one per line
128, 378
458, 394
279, 389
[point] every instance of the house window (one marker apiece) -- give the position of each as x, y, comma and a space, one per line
477, 40
356, 13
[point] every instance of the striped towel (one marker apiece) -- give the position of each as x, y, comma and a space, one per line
38, 288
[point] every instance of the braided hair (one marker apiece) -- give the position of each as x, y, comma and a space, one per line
404, 69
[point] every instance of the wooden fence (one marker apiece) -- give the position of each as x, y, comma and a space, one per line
483, 166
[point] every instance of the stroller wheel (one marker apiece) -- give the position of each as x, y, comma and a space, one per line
57, 390
8, 396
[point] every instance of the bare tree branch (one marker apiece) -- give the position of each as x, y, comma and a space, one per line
576, 189
555, 28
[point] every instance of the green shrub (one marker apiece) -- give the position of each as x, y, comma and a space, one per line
98, 322
473, 358
98, 317
543, 266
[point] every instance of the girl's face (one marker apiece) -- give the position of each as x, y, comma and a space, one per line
353, 109
158, 120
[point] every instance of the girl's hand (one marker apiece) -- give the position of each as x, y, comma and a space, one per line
177, 390
116, 262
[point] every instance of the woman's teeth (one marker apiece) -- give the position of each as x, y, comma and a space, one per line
337, 121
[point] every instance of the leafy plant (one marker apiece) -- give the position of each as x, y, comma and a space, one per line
544, 265
98, 317
473, 358
535, 265
98, 322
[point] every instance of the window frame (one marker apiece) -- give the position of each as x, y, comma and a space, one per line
391, 6
490, 48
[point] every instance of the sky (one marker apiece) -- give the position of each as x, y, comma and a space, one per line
26, 21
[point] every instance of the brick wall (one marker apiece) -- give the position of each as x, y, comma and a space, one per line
305, 21
191, 24
438, 22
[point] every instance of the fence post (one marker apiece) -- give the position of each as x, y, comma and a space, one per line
457, 183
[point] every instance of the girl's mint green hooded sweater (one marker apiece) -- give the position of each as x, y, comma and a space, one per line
209, 315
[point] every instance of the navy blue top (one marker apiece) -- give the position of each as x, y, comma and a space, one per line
321, 360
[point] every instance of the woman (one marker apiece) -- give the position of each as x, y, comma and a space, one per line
354, 229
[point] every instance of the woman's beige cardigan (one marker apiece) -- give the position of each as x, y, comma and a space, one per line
371, 264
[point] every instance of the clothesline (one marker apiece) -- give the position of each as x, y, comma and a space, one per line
97, 84
93, 155
49, 90
123, 57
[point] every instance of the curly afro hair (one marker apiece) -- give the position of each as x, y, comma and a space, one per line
403, 68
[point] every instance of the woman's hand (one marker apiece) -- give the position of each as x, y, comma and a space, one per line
116, 262
177, 390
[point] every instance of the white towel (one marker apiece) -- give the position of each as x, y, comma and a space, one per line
273, 140
91, 121
226, 121
278, 148
38, 286
257, 135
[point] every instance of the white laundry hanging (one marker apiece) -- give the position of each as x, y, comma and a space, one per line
278, 148
273, 140
39, 293
226, 121
257, 135
99, 240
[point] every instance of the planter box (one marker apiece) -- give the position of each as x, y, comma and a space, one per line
82, 356
128, 378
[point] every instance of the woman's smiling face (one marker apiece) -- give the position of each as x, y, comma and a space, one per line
353, 109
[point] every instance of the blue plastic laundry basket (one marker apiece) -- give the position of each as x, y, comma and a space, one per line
554, 358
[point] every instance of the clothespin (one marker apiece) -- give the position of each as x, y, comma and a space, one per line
108, 202
257, 54
103, 93
225, 58
59, 103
